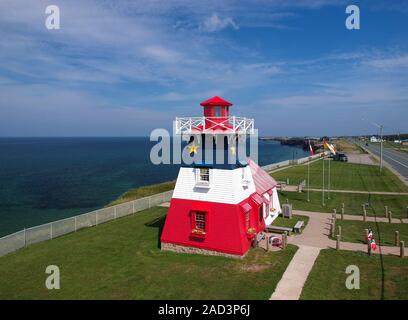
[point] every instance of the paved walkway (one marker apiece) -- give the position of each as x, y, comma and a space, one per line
314, 238
291, 284
317, 231
360, 158
292, 188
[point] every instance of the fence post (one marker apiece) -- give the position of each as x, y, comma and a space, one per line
342, 211
335, 214
402, 249
133, 206
284, 239
114, 212
75, 222
389, 216
96, 218
407, 211
339, 232
149, 201
333, 227
25, 238
397, 238
364, 214
51, 230
386, 211
338, 242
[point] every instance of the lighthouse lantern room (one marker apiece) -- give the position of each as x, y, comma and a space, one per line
218, 208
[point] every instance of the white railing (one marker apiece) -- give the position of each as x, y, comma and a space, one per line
51, 230
214, 125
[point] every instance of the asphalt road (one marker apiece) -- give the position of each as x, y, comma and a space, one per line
398, 160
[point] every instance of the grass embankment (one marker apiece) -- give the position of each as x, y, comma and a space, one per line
145, 191
384, 233
344, 176
348, 147
381, 277
290, 223
352, 202
121, 260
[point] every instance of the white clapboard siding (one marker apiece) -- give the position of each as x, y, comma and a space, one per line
225, 186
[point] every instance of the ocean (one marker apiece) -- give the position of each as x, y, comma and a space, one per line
47, 179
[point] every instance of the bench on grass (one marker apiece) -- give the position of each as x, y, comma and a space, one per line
278, 229
298, 226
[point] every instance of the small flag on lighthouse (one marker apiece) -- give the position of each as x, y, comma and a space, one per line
311, 149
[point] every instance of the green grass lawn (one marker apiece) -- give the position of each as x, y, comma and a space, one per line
121, 260
145, 191
290, 223
384, 233
381, 277
344, 176
352, 202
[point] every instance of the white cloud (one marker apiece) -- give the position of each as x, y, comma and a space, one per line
215, 23
395, 62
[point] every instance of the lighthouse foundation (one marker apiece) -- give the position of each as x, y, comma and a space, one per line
165, 246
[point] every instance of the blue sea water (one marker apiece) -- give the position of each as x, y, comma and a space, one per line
46, 179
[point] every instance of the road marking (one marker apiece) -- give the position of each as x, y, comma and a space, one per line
386, 155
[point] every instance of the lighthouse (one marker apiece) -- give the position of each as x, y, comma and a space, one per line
218, 207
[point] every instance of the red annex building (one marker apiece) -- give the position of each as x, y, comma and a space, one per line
219, 208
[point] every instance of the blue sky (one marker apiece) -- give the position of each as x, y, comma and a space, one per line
124, 68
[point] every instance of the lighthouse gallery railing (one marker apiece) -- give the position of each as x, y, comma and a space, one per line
191, 125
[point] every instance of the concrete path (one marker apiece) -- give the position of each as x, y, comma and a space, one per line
314, 238
317, 231
371, 219
291, 284
360, 158
292, 188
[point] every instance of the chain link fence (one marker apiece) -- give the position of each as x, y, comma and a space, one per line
58, 228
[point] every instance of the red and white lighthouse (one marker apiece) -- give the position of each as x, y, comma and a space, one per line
219, 208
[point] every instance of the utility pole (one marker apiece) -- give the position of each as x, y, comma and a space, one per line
323, 180
381, 146
381, 141
328, 182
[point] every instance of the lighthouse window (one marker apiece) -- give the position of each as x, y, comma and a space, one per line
204, 175
217, 112
200, 221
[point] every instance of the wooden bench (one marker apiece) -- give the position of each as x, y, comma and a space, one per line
298, 226
279, 229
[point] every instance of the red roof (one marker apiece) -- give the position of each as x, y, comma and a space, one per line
216, 101
263, 181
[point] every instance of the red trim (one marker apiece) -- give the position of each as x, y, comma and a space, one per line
257, 199
246, 207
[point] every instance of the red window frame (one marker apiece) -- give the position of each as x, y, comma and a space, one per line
199, 227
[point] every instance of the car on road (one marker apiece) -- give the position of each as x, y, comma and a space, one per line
340, 157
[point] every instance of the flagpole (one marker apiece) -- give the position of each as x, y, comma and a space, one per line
308, 172
323, 180
328, 183
308, 180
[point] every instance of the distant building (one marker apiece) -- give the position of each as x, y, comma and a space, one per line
374, 139
397, 141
